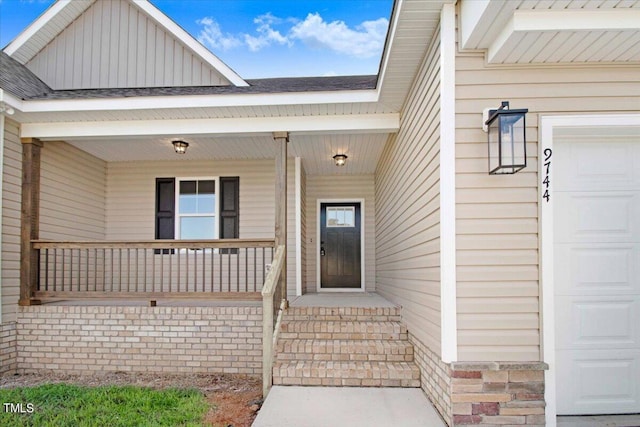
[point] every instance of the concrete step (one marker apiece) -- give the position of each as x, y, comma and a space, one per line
359, 314
342, 330
353, 374
344, 350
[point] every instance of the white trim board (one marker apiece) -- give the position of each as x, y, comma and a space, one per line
361, 123
363, 257
298, 219
547, 126
448, 279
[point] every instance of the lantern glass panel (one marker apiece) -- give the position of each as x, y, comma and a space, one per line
507, 145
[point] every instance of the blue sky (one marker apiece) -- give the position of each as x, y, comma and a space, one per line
258, 38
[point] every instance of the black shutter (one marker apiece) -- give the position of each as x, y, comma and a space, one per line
165, 208
230, 209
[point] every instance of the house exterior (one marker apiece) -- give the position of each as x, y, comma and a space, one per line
520, 292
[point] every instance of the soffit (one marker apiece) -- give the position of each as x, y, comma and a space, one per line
413, 26
552, 31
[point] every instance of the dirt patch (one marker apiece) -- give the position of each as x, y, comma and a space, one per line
235, 399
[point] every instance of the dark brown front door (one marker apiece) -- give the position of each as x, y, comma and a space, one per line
340, 245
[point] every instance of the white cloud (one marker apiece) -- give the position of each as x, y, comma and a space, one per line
266, 34
211, 35
365, 41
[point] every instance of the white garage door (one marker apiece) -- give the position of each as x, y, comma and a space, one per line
597, 274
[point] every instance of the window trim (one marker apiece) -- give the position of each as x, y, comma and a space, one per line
178, 216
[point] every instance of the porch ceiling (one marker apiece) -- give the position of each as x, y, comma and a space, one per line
316, 151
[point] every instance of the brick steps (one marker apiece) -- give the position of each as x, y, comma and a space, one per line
345, 350
355, 374
343, 330
354, 314
344, 346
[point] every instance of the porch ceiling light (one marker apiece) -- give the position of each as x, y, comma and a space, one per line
340, 159
506, 138
180, 146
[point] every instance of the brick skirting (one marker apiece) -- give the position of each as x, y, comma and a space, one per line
8, 360
435, 376
85, 339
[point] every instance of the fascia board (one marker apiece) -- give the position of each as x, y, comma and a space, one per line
199, 101
355, 123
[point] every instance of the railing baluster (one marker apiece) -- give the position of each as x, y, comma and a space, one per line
74, 267
212, 251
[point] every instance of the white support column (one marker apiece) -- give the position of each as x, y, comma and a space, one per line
298, 183
448, 283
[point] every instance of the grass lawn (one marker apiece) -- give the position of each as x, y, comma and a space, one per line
70, 405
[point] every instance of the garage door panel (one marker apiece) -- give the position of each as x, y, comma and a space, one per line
596, 191
602, 382
592, 323
597, 269
597, 216
598, 165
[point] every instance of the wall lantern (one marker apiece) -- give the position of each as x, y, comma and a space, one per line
180, 146
340, 159
507, 141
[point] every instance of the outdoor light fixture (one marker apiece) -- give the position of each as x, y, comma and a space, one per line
507, 141
180, 146
340, 159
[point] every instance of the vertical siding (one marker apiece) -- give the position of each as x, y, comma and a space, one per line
11, 199
113, 44
408, 208
341, 187
497, 216
72, 194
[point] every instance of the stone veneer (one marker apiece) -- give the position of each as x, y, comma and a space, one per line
85, 339
8, 351
498, 393
484, 393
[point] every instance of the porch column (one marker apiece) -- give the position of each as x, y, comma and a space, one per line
281, 139
29, 219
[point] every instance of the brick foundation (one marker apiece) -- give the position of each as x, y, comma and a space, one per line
435, 377
8, 351
498, 393
85, 339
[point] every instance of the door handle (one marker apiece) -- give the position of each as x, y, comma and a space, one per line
322, 252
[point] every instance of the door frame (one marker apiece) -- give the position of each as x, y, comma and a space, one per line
547, 125
319, 288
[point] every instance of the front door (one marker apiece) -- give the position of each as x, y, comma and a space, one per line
340, 257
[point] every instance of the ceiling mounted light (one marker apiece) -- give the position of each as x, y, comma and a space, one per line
340, 159
180, 146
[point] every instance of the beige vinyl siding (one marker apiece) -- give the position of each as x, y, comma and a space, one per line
408, 208
72, 194
11, 200
131, 198
348, 187
497, 216
113, 44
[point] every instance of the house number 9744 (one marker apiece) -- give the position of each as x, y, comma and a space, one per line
547, 167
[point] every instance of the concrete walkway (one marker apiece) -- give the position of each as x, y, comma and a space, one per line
347, 406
